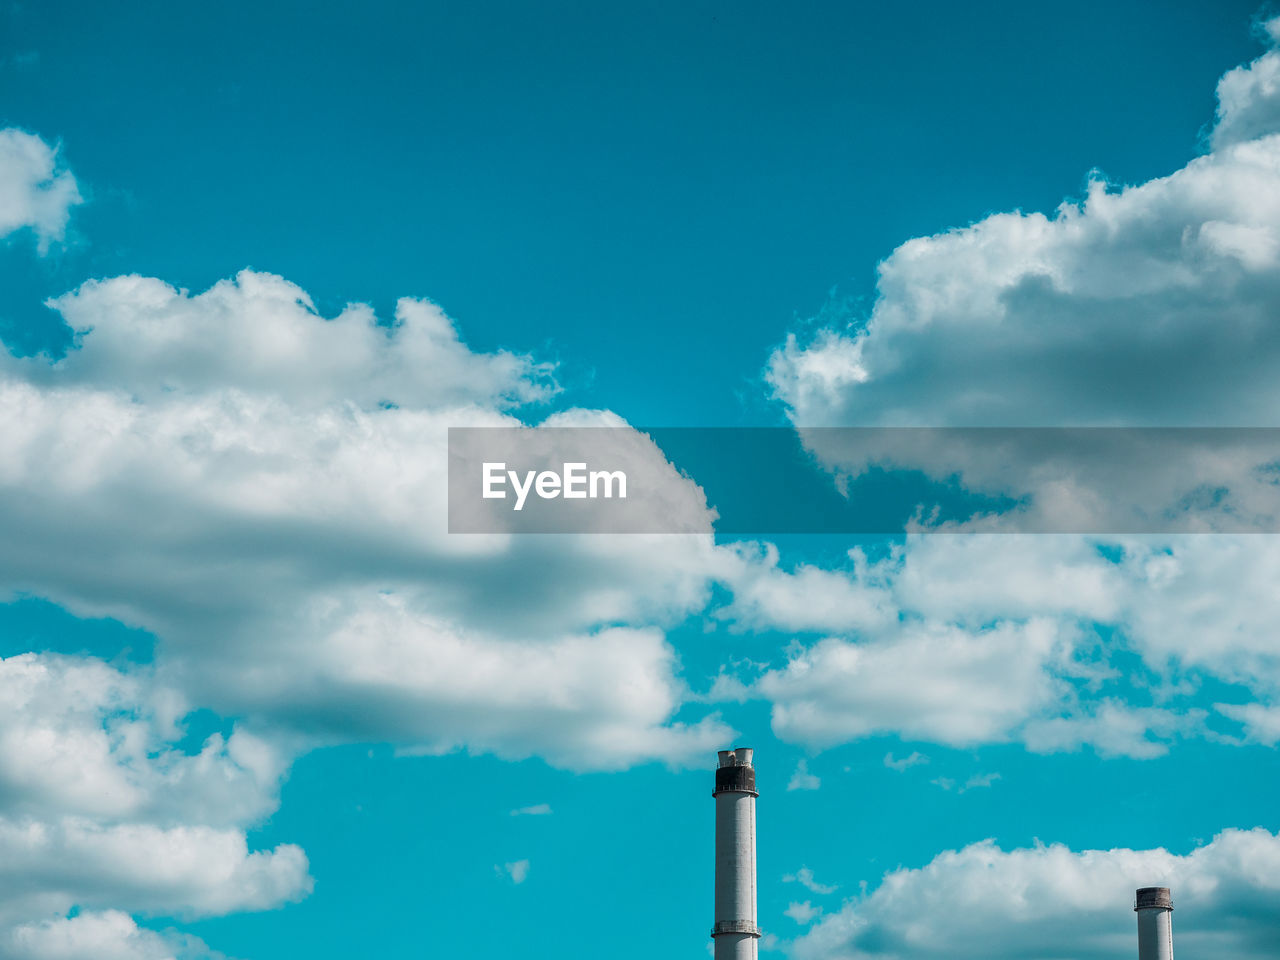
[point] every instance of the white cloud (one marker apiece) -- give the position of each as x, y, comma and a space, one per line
802, 779
142, 868
590, 700
802, 913
808, 598
517, 871
101, 935
975, 782
1147, 305
1207, 602
1249, 96
222, 470
1113, 729
1261, 721
904, 763
972, 638
804, 877
972, 580
979, 780
984, 902
537, 810
103, 811
261, 334
1151, 304
81, 738
1022, 638
263, 489
36, 191
932, 682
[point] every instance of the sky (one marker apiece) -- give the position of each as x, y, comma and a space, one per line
257, 702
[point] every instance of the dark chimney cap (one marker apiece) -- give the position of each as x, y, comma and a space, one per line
1153, 898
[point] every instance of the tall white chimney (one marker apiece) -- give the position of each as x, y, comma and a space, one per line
1154, 907
735, 931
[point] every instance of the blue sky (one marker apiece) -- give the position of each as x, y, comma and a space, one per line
647, 195
255, 703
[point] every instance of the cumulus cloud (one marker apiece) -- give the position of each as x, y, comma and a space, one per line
806, 598
1261, 722
1144, 305
81, 738
802, 779
36, 191
104, 812
1249, 95
985, 902
102, 935
1021, 638
935, 682
142, 868
1141, 305
264, 489
802, 913
261, 334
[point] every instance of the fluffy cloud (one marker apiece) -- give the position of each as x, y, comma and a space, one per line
81, 738
141, 868
934, 682
36, 191
968, 639
1147, 305
1249, 96
807, 598
1150, 304
597, 700
264, 489
802, 912
102, 935
802, 779
984, 902
993, 638
104, 812
1261, 722
261, 334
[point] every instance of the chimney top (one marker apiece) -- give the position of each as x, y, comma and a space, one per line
1153, 898
737, 757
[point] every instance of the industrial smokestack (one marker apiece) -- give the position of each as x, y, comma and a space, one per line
735, 932
1154, 907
